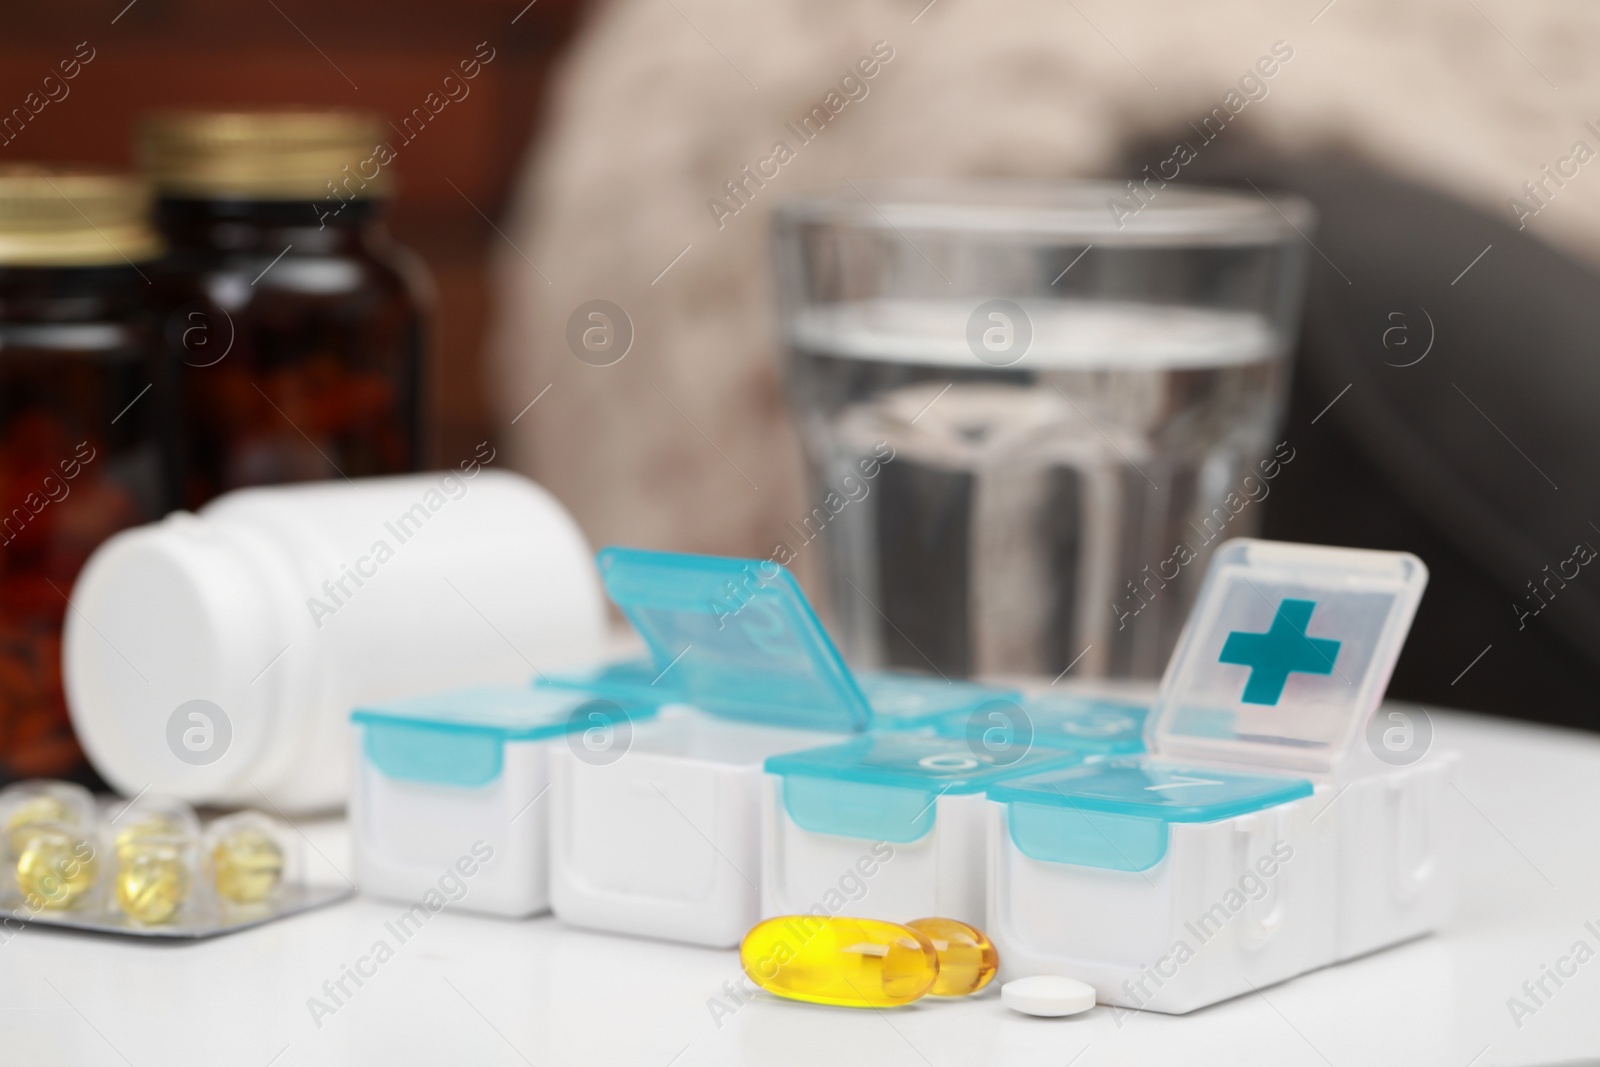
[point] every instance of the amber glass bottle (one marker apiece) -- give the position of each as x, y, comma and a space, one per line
295, 322
81, 413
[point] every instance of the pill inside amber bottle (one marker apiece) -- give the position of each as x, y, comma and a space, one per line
858, 963
967, 961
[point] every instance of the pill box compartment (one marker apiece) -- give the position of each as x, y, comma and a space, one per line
448, 792
660, 837
1254, 842
665, 841
886, 825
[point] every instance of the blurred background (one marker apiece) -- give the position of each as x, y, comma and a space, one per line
390, 56
1443, 382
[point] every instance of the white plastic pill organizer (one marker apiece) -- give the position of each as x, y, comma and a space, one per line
445, 798
664, 840
1208, 868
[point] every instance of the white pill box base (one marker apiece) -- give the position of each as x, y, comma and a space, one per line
446, 794
410, 835
664, 840
1236, 904
885, 825
1397, 858
940, 874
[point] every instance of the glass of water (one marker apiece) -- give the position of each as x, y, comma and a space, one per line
1032, 409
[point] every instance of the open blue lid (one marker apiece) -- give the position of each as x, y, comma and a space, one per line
883, 786
1115, 813
735, 637
1091, 725
903, 701
458, 737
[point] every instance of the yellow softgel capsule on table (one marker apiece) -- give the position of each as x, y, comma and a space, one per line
967, 961
248, 865
152, 881
55, 868
857, 963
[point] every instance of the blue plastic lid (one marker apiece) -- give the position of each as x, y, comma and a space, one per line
1090, 725
884, 786
1286, 654
915, 761
735, 637
458, 738
902, 701
1116, 814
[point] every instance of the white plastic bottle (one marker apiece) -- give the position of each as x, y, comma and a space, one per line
216, 656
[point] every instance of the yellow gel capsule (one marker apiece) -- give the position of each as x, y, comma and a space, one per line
152, 881
967, 961
856, 963
148, 827
32, 814
248, 866
55, 868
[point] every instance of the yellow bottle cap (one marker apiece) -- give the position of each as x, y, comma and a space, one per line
264, 155
60, 217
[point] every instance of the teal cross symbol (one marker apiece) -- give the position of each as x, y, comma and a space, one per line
1283, 649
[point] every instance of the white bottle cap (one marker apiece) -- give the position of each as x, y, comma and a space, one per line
175, 625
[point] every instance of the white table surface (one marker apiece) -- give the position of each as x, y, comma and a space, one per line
483, 992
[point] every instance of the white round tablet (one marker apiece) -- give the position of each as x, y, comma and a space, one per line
1048, 995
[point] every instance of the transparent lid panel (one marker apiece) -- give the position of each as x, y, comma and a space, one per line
735, 637
904, 701
916, 761
1288, 650
512, 713
1150, 789
628, 679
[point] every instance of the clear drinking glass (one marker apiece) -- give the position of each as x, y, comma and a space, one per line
1079, 385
